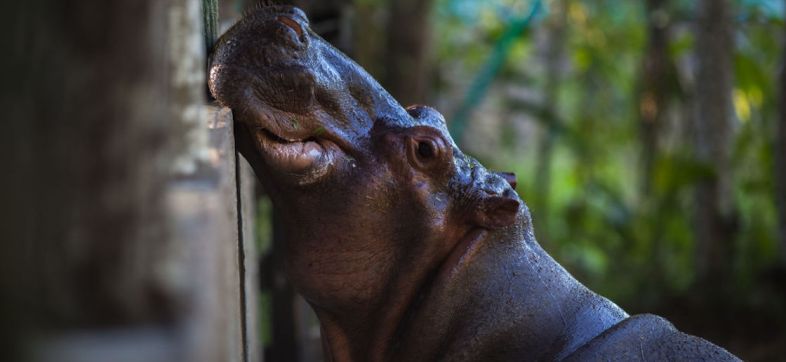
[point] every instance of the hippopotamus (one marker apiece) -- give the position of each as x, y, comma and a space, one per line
406, 248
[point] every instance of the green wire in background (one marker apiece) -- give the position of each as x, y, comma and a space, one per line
479, 87
210, 12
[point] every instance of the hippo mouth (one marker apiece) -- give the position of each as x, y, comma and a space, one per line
308, 159
282, 82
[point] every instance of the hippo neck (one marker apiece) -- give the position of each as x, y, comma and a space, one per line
540, 310
511, 276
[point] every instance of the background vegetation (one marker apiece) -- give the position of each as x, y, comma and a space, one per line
644, 135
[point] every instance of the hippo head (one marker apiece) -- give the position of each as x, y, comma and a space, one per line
305, 106
376, 200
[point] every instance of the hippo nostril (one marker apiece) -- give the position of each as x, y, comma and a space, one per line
292, 24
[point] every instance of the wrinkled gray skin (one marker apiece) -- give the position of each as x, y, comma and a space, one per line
407, 249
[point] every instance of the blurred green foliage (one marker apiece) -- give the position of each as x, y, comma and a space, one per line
628, 246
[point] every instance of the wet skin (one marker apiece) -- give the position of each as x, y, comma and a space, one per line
407, 249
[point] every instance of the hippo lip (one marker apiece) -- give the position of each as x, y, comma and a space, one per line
309, 158
283, 139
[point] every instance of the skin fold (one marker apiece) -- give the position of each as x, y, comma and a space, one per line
407, 249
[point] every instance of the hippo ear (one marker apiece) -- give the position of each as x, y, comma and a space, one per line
497, 211
510, 177
426, 115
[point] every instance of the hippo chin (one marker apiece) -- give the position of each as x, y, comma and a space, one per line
407, 249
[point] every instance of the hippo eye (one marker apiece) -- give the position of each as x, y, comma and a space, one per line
426, 150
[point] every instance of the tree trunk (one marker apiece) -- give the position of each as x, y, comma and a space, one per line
368, 38
655, 82
780, 158
714, 209
406, 66
553, 58
91, 103
330, 19
120, 237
